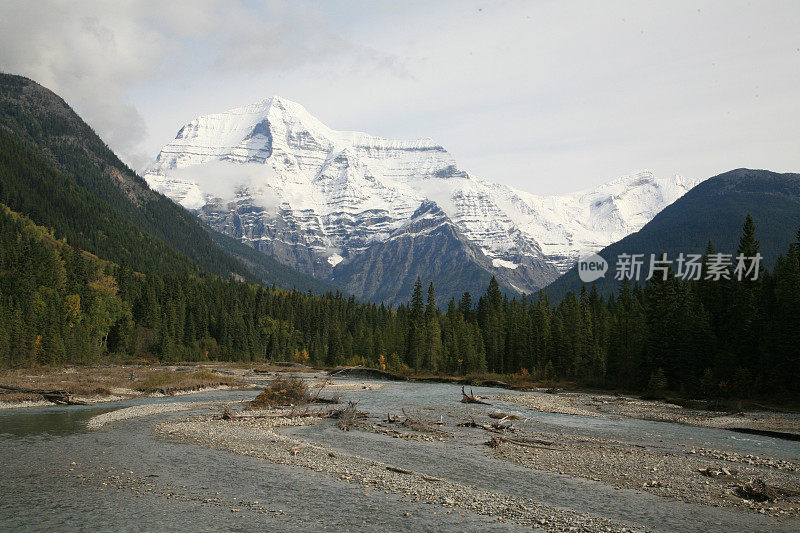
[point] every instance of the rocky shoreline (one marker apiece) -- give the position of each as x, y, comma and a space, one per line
618, 406
686, 474
257, 437
706, 477
710, 476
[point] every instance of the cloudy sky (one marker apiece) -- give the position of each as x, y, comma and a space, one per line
546, 96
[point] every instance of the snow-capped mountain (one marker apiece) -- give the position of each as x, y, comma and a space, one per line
567, 226
275, 177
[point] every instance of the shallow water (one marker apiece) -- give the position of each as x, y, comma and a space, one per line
40, 489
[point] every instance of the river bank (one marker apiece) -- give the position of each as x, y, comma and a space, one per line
113, 383
620, 406
707, 477
259, 438
416, 457
110, 383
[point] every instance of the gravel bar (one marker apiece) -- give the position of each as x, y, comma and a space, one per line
257, 437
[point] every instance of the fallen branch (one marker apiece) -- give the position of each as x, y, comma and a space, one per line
503, 416
421, 423
495, 441
470, 424
58, 397
497, 427
425, 477
347, 416
471, 398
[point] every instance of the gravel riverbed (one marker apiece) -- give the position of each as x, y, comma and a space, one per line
617, 406
547, 461
137, 411
260, 438
707, 477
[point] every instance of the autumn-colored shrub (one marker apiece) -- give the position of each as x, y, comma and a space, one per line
282, 391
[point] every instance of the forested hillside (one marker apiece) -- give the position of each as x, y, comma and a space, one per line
158, 286
31, 185
43, 124
62, 305
711, 211
708, 338
57, 171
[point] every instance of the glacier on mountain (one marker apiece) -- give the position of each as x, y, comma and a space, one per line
275, 177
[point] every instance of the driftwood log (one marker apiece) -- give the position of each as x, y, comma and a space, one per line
320, 399
425, 477
227, 414
347, 416
495, 441
503, 416
497, 427
471, 398
58, 397
368, 373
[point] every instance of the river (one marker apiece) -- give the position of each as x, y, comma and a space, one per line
58, 475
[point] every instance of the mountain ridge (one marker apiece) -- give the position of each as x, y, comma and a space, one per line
60, 173
712, 211
273, 176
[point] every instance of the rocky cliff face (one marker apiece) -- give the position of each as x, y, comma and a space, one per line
345, 206
428, 246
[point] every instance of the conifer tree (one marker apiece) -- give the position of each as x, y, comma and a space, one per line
465, 305
748, 245
417, 303
430, 309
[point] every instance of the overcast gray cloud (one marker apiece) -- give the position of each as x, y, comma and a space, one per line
545, 96
97, 54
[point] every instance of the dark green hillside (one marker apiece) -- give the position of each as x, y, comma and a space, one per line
712, 211
43, 124
30, 184
57, 171
59, 305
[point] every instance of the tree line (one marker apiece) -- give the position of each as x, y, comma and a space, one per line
728, 338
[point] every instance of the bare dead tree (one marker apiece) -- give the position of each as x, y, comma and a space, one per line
471, 398
58, 397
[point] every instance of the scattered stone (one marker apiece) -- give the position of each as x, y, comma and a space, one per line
756, 490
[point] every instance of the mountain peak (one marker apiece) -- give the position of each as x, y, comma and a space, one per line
428, 211
271, 174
